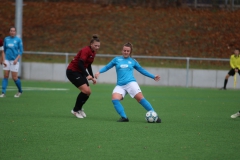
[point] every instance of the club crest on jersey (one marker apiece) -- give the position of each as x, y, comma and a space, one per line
129, 62
124, 66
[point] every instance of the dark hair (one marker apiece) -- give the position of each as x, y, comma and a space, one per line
94, 39
128, 44
11, 28
237, 49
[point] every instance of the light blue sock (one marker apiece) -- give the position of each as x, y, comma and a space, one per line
146, 104
119, 108
18, 84
4, 85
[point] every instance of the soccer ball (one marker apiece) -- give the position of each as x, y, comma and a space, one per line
151, 116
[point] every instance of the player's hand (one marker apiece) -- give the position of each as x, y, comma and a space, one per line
157, 78
89, 77
96, 75
5, 64
94, 81
15, 62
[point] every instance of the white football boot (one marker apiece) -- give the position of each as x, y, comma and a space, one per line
78, 115
235, 115
82, 113
17, 95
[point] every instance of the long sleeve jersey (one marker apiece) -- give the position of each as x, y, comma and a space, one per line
86, 55
1, 44
235, 61
124, 69
13, 47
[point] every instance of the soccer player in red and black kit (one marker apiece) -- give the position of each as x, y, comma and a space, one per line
77, 74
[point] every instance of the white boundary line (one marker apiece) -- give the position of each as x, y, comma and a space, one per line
13, 88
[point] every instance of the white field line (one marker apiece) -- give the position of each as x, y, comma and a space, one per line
13, 88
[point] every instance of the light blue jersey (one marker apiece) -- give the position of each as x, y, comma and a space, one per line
13, 47
124, 68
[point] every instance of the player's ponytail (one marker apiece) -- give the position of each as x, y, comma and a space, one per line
95, 38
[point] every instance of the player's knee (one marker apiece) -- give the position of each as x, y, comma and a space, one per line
85, 89
87, 92
14, 78
139, 97
116, 96
139, 100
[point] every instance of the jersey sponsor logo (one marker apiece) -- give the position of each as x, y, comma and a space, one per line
124, 66
78, 78
10, 45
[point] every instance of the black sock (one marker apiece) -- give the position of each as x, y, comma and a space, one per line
81, 99
225, 83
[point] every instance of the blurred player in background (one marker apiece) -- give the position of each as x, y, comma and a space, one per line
12, 52
236, 115
235, 66
1, 49
126, 83
78, 76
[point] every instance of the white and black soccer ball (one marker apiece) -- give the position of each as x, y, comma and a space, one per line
151, 116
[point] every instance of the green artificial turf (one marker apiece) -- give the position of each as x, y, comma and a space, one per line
196, 124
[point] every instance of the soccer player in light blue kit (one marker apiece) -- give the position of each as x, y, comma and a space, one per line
126, 83
13, 49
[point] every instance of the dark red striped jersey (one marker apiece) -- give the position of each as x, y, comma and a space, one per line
86, 54
1, 42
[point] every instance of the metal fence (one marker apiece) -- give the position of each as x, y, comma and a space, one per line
232, 4
147, 2
227, 4
186, 59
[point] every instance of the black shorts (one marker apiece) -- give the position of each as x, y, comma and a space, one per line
232, 72
76, 78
